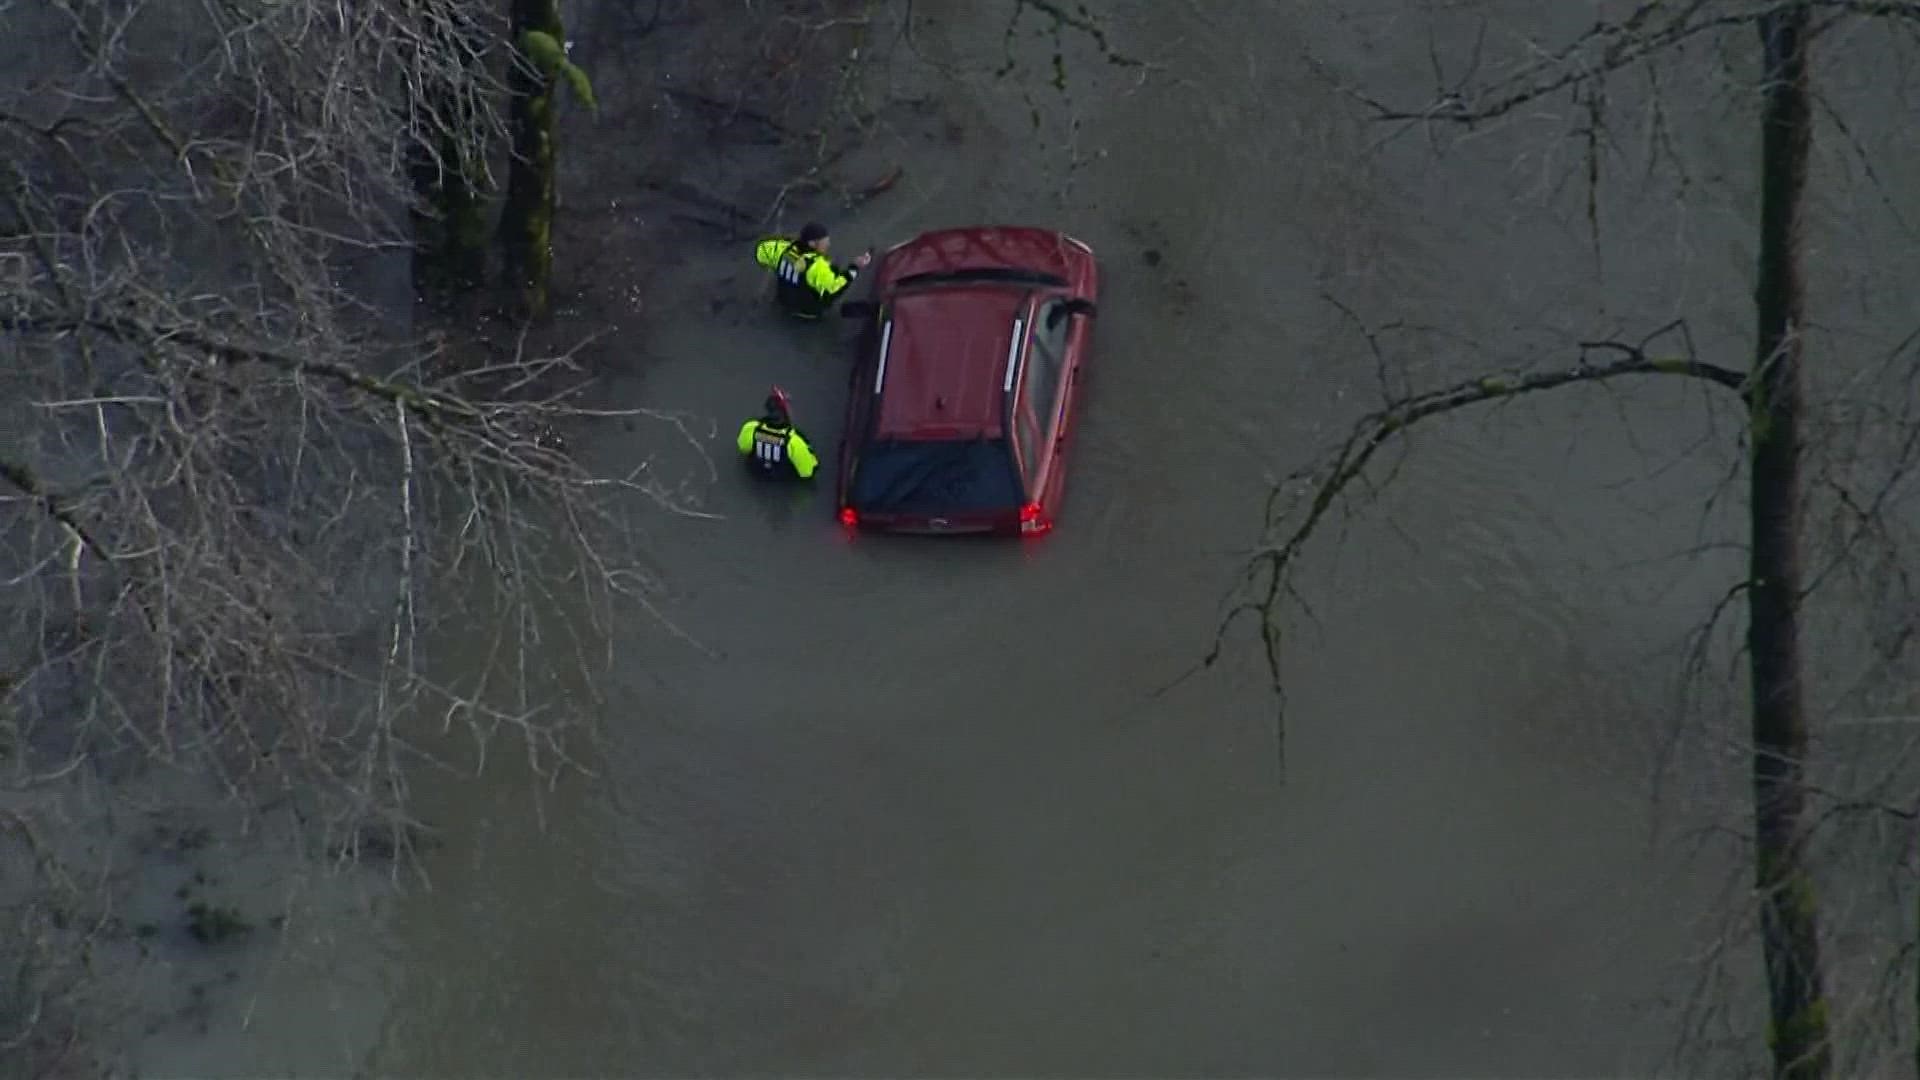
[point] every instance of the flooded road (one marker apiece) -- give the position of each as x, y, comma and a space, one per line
945, 808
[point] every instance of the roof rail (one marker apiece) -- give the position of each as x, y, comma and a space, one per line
886, 342
1013, 353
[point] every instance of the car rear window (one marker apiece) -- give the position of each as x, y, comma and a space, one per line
936, 477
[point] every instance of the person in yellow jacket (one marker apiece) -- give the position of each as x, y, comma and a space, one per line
805, 281
772, 446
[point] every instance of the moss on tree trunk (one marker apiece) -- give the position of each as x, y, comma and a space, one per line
1789, 920
526, 221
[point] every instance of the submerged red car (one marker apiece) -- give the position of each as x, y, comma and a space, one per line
963, 394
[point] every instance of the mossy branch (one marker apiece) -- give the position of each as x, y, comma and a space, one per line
418, 400
550, 56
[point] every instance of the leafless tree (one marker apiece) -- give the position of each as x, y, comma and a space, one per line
241, 494
1782, 430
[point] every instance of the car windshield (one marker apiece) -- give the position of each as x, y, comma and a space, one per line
936, 477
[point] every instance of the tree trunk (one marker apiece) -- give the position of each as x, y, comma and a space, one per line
425, 177
1798, 1034
450, 230
450, 226
463, 248
526, 222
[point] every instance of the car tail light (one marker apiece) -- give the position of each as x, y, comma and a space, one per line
848, 517
1032, 521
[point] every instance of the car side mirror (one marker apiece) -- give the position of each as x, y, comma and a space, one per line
859, 309
1062, 312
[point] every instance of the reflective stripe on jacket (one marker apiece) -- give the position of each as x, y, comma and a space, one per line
771, 447
806, 282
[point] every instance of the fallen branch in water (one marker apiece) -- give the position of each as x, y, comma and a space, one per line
878, 187
728, 111
693, 196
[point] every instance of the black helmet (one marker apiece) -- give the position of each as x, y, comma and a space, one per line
777, 406
812, 231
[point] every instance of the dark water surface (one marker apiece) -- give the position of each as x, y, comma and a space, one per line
927, 812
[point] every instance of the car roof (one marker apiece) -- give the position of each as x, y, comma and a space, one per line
943, 362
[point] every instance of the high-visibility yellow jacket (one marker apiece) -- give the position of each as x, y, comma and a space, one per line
775, 449
806, 282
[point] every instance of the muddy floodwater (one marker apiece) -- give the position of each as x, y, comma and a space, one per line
949, 808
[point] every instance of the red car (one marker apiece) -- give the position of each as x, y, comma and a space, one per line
963, 394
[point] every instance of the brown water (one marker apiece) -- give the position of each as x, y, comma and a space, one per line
929, 812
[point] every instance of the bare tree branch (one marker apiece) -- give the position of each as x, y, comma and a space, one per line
254, 501
1652, 29
1270, 567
